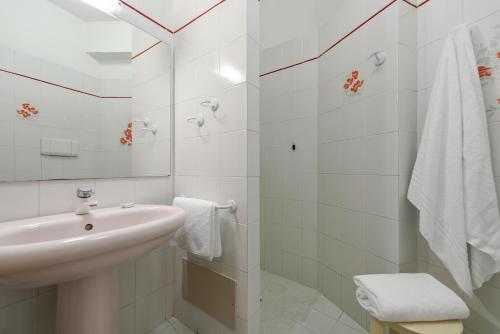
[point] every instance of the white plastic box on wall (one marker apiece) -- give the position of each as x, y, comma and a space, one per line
59, 147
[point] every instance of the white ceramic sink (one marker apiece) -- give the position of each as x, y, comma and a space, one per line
80, 253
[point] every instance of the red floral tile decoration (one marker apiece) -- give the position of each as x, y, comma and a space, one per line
498, 100
484, 71
498, 54
126, 139
353, 83
27, 111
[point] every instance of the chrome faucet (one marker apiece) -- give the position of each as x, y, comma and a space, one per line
85, 204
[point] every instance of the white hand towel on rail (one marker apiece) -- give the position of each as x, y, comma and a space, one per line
452, 183
201, 233
408, 298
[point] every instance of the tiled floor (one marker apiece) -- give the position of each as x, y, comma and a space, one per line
291, 308
283, 303
172, 326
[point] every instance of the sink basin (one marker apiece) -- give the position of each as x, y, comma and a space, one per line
80, 254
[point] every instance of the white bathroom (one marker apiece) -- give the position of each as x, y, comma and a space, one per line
249, 167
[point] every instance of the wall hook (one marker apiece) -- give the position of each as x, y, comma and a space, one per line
199, 120
379, 58
153, 129
213, 104
144, 121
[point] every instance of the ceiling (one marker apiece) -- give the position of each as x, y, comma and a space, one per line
83, 11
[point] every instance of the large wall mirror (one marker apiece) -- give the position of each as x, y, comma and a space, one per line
82, 94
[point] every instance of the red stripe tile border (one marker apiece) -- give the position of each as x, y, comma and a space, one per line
172, 31
147, 17
416, 5
345, 37
63, 87
199, 16
146, 50
411, 3
380, 11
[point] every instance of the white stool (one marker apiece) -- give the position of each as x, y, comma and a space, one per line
435, 327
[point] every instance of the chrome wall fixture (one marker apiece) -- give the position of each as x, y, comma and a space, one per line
147, 125
144, 121
379, 58
231, 206
153, 129
213, 104
198, 120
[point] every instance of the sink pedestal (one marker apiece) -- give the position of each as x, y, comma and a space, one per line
89, 305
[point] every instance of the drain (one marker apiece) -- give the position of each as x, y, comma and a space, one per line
89, 227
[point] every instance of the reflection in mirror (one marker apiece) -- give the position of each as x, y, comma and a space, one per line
82, 95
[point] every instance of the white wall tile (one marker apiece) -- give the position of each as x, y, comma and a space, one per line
436, 18
428, 57
20, 200
381, 195
473, 12
46, 312
127, 319
384, 238
127, 283
150, 273
60, 196
114, 192
154, 190
330, 283
150, 311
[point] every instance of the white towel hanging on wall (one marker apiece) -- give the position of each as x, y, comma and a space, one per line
201, 233
452, 183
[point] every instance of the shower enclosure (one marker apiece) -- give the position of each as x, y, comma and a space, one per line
344, 91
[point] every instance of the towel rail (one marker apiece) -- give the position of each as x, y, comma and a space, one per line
231, 206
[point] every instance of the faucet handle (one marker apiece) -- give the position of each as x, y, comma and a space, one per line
84, 192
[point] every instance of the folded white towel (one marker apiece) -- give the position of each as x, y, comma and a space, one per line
201, 233
452, 183
408, 298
